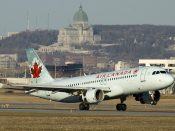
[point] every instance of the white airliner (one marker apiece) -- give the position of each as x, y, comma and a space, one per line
143, 83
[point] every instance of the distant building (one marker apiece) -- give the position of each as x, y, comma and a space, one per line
9, 34
73, 58
15, 80
76, 34
1, 37
79, 32
121, 65
89, 61
66, 70
102, 62
54, 48
8, 61
52, 59
168, 64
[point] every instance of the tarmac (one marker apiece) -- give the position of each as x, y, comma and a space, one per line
72, 109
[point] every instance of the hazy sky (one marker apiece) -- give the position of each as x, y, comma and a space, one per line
13, 13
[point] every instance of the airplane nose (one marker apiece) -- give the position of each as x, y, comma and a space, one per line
169, 80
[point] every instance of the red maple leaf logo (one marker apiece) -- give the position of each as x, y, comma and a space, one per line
36, 70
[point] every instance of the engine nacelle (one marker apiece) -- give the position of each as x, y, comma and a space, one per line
94, 96
151, 97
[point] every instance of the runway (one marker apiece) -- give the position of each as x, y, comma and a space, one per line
92, 112
72, 109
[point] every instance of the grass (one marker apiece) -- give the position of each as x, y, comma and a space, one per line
51, 121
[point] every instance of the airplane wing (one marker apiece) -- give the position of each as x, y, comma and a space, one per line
53, 88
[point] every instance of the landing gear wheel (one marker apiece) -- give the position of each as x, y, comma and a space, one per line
81, 106
121, 107
84, 106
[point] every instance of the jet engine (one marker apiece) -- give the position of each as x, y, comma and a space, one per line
151, 97
94, 96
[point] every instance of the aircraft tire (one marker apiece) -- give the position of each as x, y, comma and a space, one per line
84, 106
81, 106
121, 107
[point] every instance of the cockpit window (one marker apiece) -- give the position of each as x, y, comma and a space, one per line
159, 72
163, 72
154, 73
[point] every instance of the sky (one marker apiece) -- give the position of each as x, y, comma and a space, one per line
14, 13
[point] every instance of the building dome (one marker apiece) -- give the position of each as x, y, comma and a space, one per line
80, 16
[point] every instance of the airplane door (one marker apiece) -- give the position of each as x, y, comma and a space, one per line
143, 75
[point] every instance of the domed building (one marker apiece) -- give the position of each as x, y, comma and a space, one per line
80, 18
79, 32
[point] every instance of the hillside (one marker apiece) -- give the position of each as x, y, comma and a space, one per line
132, 41
138, 41
23, 40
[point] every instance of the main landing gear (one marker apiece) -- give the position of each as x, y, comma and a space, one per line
121, 107
84, 106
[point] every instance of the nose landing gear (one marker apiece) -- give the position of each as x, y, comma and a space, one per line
121, 107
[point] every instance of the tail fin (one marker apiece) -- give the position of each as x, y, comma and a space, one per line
38, 71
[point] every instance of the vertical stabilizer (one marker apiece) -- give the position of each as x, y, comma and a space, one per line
38, 71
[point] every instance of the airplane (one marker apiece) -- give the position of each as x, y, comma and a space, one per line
143, 83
